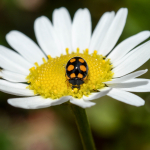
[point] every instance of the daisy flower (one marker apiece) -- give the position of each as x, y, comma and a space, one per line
38, 73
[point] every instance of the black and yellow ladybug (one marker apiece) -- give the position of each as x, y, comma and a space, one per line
76, 71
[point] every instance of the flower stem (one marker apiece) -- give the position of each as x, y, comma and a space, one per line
83, 127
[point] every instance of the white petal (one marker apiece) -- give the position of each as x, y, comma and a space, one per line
15, 88
25, 46
127, 77
126, 97
46, 36
114, 32
82, 103
97, 95
101, 30
13, 77
12, 61
61, 100
62, 26
36, 102
124, 47
118, 62
128, 84
142, 88
81, 29
135, 59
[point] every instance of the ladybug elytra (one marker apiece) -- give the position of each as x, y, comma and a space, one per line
76, 71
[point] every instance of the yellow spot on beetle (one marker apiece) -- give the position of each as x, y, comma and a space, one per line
72, 60
81, 60
67, 77
83, 68
73, 75
70, 67
84, 78
80, 75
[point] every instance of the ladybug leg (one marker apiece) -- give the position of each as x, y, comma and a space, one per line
64, 65
73, 87
67, 83
67, 80
86, 79
78, 87
95, 90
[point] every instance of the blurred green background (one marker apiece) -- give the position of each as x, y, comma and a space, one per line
115, 125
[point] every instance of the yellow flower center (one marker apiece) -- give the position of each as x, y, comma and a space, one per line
49, 79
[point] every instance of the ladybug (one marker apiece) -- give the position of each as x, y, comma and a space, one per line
76, 71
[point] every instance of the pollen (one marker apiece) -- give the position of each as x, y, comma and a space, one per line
49, 80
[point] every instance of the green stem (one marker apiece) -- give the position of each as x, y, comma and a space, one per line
83, 127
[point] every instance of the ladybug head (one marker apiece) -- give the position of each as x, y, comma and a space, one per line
76, 81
